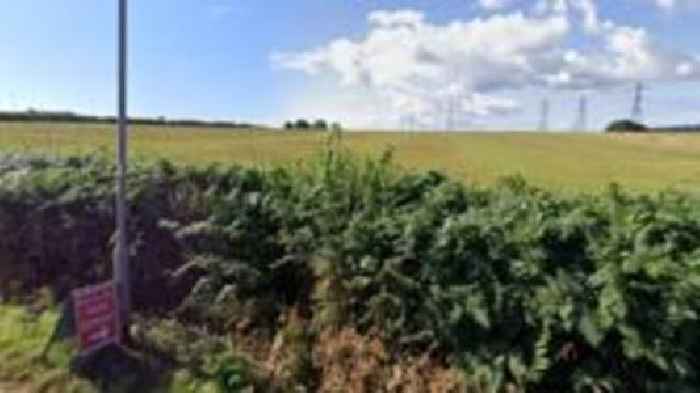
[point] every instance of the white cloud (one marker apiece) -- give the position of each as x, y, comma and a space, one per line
410, 65
584, 11
626, 55
396, 18
590, 14
494, 4
686, 69
670, 5
417, 66
666, 4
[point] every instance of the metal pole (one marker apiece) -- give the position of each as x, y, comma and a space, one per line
121, 253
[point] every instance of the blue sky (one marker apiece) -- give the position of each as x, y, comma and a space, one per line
265, 61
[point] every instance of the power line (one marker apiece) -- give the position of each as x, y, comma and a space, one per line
637, 105
451, 109
544, 115
408, 121
581, 123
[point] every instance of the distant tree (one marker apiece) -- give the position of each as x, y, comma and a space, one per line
288, 125
336, 126
302, 124
625, 125
321, 124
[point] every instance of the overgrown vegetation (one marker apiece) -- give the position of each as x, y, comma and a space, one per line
184, 366
23, 336
421, 280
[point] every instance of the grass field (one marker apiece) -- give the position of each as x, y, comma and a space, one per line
560, 162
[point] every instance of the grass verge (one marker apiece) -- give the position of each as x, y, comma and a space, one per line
23, 337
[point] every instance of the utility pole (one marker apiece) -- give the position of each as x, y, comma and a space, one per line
581, 123
407, 122
544, 116
121, 252
637, 105
450, 114
412, 122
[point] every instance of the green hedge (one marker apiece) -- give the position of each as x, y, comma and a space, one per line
511, 283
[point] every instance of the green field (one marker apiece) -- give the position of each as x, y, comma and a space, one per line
569, 162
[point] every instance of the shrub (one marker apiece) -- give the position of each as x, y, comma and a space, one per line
625, 126
320, 124
302, 124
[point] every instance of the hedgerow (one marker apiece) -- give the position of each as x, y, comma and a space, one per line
519, 288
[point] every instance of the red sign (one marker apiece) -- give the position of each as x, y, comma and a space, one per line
97, 317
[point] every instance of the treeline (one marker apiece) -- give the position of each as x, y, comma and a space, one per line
677, 129
72, 117
320, 124
631, 126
